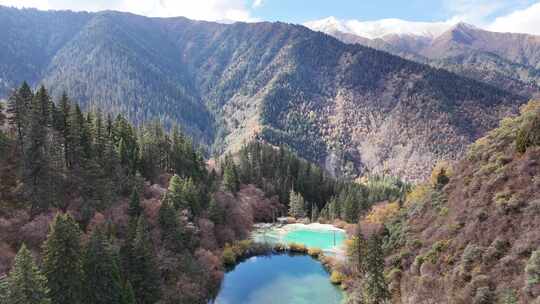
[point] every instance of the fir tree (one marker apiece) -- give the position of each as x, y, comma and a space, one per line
2, 115
314, 213
62, 261
128, 296
184, 194
19, 105
134, 208
144, 276
173, 235
375, 289
75, 137
26, 284
64, 107
36, 163
357, 253
216, 213
296, 204
102, 282
230, 176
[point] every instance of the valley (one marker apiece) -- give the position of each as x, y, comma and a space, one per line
165, 160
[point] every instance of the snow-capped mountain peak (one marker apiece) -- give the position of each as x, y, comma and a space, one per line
379, 28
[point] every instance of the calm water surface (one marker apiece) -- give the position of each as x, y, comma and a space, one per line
278, 279
323, 239
316, 239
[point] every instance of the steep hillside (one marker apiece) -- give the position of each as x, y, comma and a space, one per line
349, 107
506, 60
30, 39
475, 239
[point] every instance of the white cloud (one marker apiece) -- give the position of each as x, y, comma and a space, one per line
39, 4
379, 28
477, 12
522, 21
480, 13
236, 10
257, 3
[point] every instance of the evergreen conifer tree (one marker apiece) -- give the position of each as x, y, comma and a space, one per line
128, 296
296, 205
144, 276
375, 289
231, 180
134, 209
19, 105
62, 261
102, 283
314, 213
35, 157
26, 284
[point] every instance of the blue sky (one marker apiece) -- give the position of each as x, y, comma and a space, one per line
472, 11
516, 15
412, 10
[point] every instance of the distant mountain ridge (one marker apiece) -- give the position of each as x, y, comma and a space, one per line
349, 107
507, 60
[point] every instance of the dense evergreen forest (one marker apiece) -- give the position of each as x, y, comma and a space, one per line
307, 188
57, 159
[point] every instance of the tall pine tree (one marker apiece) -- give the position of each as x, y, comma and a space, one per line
19, 105
36, 158
26, 284
144, 276
62, 261
102, 283
134, 208
375, 289
296, 205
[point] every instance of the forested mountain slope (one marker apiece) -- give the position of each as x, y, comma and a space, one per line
507, 60
349, 107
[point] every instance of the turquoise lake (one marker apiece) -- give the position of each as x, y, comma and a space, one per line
316, 239
278, 279
323, 239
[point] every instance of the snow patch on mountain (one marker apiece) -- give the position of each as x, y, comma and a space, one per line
379, 28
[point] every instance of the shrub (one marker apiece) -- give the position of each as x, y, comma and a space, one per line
337, 277
280, 247
483, 295
534, 207
433, 254
393, 274
496, 251
444, 211
242, 247
532, 269
228, 256
471, 254
508, 201
440, 175
418, 261
529, 134
297, 248
383, 213
414, 244
314, 252
419, 195
507, 296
